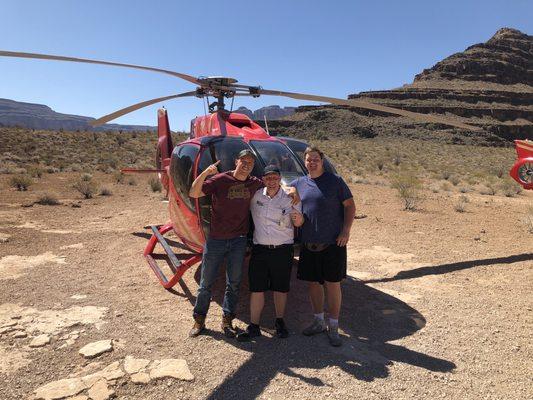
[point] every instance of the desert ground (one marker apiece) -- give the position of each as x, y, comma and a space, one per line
437, 304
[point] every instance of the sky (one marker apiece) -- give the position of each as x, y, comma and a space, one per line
331, 48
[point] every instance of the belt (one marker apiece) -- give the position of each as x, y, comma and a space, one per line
272, 246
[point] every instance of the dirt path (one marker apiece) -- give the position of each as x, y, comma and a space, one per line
438, 303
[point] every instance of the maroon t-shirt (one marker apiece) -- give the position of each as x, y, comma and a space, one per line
230, 199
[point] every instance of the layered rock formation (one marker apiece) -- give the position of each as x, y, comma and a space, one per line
38, 116
270, 112
489, 85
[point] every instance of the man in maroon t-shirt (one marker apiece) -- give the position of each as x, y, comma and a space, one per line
231, 193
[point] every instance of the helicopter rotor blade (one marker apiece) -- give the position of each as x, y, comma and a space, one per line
134, 107
16, 54
372, 106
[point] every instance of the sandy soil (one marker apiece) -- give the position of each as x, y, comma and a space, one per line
438, 303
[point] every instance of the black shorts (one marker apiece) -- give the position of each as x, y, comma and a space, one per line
325, 265
270, 269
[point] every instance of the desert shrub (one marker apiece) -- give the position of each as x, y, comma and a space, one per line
460, 206
446, 186
48, 200
380, 164
34, 171
408, 187
455, 180
105, 191
21, 182
510, 188
465, 189
445, 174
87, 188
155, 184
86, 177
51, 170
132, 181
488, 190
119, 177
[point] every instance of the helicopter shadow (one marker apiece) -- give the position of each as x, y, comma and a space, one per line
369, 320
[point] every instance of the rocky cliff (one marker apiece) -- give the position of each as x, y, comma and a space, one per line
489, 85
38, 116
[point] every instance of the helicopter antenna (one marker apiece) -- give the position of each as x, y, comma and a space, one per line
266, 124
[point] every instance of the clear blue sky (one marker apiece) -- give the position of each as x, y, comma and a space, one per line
330, 47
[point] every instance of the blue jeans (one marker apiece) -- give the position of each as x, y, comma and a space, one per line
215, 250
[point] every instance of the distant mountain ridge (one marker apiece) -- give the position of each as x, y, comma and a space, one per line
39, 116
270, 112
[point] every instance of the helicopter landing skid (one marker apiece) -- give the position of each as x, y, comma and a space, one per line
177, 267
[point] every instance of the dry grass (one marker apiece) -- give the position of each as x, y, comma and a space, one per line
372, 160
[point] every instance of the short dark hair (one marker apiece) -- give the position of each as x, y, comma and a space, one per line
244, 153
313, 149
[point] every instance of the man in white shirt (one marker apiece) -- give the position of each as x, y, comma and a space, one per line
272, 254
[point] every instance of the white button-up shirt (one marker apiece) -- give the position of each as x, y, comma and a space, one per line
272, 218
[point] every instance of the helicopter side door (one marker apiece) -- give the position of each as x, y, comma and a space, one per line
181, 207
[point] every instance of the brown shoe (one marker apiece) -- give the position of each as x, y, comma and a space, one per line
198, 327
227, 325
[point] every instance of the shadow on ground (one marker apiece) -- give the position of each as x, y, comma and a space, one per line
369, 320
446, 268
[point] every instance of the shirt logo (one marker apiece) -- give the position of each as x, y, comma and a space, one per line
259, 203
238, 192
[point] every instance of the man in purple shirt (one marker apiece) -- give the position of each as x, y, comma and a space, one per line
329, 211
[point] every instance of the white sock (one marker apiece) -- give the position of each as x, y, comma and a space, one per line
320, 316
333, 323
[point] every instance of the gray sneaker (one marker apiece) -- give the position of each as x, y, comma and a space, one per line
333, 336
318, 326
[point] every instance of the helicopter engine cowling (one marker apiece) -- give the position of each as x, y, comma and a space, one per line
522, 170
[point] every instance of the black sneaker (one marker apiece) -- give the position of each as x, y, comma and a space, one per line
281, 329
251, 331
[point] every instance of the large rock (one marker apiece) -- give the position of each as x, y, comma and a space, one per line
171, 368
100, 391
134, 365
40, 341
94, 349
60, 389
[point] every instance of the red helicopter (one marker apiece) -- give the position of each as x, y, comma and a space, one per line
221, 135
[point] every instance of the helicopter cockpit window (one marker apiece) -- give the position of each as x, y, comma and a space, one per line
181, 170
299, 147
225, 150
276, 153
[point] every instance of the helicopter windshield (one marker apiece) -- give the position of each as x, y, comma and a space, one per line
224, 150
277, 154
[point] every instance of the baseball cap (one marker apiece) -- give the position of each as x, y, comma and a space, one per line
245, 152
271, 169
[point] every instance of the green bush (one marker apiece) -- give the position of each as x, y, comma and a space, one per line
408, 187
